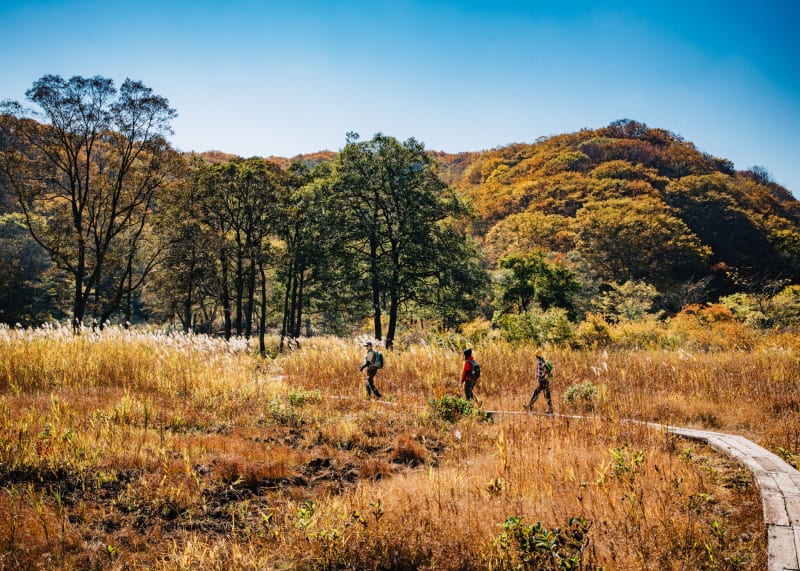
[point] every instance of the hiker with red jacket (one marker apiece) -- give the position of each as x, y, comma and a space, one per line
543, 372
469, 374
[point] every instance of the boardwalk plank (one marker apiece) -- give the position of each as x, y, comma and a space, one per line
774, 509
771, 463
787, 485
782, 548
793, 509
767, 483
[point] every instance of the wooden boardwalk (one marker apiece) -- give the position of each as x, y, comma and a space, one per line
779, 484
777, 480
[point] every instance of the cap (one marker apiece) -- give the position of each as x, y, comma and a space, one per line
539, 353
467, 352
368, 344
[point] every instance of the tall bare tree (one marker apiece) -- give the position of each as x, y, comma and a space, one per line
90, 162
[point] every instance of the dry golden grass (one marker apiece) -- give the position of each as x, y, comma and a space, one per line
147, 451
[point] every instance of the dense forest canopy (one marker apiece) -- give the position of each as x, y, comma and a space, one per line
101, 221
637, 203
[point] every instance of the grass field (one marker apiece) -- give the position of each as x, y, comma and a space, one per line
137, 450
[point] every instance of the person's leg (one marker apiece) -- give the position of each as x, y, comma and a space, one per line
547, 397
371, 384
534, 396
468, 385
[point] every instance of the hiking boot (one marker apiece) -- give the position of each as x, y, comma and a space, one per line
549, 411
526, 407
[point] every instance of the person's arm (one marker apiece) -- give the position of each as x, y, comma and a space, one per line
369, 360
465, 371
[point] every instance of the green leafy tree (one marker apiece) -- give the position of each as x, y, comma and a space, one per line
631, 300
315, 271
182, 284
551, 326
240, 209
533, 279
396, 210
459, 286
28, 290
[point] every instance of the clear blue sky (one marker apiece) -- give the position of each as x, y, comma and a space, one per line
288, 77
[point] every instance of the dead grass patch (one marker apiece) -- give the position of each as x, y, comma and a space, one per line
198, 459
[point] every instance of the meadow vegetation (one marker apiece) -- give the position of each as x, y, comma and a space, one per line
130, 449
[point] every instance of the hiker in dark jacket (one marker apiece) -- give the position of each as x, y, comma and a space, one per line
543, 379
369, 365
468, 377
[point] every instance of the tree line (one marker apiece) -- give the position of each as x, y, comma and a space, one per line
102, 221
132, 229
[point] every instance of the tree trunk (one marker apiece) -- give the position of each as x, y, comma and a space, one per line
298, 320
285, 323
79, 302
129, 302
239, 293
251, 294
262, 324
224, 295
293, 308
376, 288
394, 307
188, 298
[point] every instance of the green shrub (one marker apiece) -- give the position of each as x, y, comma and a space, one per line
451, 408
551, 326
535, 547
581, 396
300, 397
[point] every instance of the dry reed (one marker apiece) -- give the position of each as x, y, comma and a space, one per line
148, 451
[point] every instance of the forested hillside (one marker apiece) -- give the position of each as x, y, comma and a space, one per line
101, 221
636, 203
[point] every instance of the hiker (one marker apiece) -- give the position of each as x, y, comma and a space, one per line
371, 366
543, 372
469, 374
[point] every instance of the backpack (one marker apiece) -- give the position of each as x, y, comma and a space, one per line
475, 370
378, 363
548, 367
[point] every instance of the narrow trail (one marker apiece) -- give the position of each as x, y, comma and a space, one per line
777, 480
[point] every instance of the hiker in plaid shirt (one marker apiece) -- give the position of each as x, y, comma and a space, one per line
543, 378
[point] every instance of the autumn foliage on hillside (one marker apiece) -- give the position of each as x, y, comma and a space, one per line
636, 203
308, 159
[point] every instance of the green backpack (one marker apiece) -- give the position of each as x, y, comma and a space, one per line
548, 367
